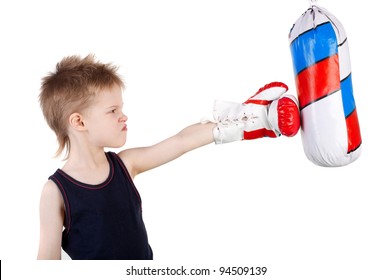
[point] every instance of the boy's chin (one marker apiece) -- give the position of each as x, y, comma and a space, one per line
117, 145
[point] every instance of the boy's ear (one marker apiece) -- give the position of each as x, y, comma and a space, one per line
76, 121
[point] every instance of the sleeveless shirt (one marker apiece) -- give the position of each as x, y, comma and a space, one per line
104, 221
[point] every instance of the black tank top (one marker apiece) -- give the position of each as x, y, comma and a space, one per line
103, 222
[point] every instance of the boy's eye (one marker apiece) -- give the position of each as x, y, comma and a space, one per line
114, 110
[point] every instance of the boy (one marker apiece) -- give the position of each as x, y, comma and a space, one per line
90, 207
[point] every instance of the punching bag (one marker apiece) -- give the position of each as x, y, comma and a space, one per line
330, 128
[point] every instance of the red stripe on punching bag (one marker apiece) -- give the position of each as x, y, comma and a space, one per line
353, 128
311, 89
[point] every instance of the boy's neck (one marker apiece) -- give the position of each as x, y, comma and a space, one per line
87, 158
87, 167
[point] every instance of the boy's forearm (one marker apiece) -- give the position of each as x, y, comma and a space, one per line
197, 135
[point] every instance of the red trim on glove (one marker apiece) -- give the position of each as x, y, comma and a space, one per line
273, 84
265, 102
255, 134
258, 102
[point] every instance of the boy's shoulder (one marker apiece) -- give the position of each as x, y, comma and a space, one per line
51, 195
50, 187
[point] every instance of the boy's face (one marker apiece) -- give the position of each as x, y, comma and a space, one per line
104, 120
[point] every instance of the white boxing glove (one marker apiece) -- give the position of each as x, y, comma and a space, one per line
268, 113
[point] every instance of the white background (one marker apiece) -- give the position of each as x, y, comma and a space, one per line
248, 203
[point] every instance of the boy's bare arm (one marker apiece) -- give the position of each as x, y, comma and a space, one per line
142, 159
51, 212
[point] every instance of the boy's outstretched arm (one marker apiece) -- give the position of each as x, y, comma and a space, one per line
138, 160
268, 113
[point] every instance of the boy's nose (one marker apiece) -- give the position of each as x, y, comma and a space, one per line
124, 118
